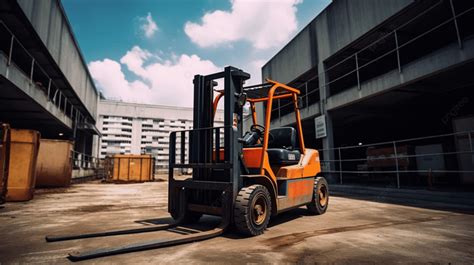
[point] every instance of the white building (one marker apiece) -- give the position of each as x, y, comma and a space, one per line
131, 128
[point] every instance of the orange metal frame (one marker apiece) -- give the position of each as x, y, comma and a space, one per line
288, 92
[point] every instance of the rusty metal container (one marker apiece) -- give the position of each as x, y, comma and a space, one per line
4, 157
54, 166
22, 167
131, 168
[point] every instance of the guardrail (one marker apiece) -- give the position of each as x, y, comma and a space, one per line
390, 39
419, 161
18, 55
83, 161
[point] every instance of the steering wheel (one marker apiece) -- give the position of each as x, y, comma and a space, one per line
259, 129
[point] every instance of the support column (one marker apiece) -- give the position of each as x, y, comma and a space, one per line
328, 141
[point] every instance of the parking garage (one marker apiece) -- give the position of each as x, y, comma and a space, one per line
397, 101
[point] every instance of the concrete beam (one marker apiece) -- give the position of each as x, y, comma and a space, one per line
22, 82
437, 61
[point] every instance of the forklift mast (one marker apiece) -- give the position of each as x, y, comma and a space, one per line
214, 151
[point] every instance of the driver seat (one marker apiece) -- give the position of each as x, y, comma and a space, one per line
282, 149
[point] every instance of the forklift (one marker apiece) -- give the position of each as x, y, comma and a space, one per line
245, 178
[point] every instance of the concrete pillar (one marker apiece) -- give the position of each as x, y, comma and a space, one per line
328, 141
95, 146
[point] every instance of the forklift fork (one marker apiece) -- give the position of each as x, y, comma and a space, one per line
112, 233
159, 243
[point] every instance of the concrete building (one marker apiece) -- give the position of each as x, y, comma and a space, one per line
44, 81
131, 128
375, 71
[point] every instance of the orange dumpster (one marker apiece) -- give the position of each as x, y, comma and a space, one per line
4, 155
54, 166
132, 168
23, 154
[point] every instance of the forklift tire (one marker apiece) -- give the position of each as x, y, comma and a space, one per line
320, 201
252, 210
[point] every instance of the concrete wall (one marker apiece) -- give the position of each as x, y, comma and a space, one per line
50, 22
342, 22
444, 58
19, 79
293, 60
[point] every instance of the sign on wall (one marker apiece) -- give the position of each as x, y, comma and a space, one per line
320, 124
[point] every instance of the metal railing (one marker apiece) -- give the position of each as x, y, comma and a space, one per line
18, 55
83, 161
428, 158
357, 66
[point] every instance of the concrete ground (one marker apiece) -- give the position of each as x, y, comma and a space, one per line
351, 232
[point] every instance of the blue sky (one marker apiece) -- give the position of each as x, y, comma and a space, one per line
140, 50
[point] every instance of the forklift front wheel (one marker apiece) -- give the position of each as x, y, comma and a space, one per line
320, 201
252, 210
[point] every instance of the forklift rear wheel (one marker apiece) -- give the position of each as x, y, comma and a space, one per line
320, 201
252, 210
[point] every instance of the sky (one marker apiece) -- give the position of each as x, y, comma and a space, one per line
148, 51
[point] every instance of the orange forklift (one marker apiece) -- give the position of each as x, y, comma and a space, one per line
246, 178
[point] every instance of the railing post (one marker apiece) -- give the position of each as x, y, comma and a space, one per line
49, 89
398, 52
396, 164
32, 69
55, 94
357, 70
456, 24
340, 166
10, 53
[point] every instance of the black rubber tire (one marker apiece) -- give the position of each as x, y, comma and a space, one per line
315, 207
244, 213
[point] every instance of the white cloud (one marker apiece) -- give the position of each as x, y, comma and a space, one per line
149, 26
264, 23
167, 82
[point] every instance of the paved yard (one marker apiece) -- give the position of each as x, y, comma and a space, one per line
352, 231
